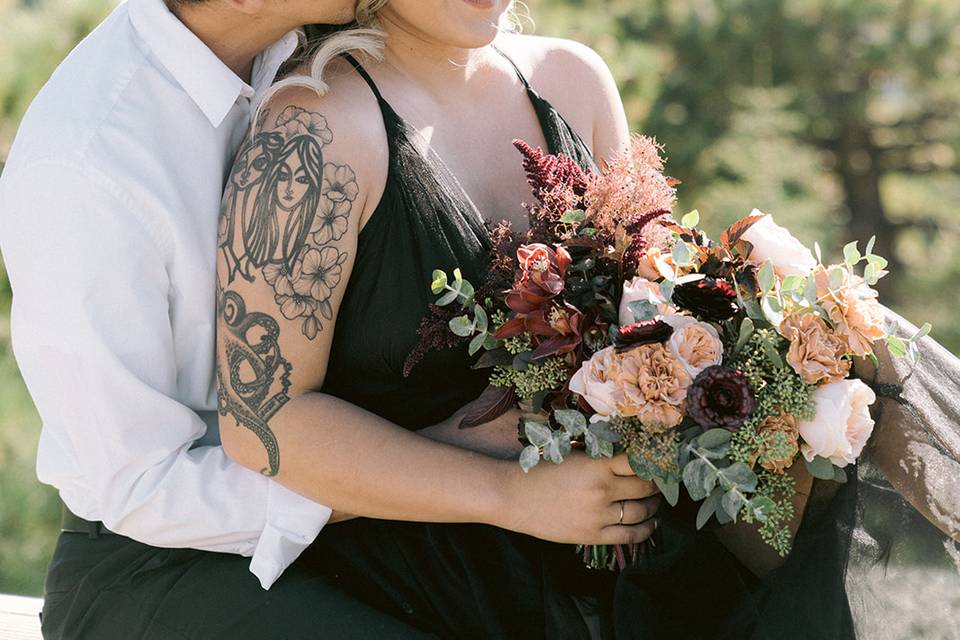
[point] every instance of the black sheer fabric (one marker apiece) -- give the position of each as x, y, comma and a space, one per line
865, 563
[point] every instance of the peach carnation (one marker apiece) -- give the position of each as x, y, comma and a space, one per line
651, 384
816, 351
853, 308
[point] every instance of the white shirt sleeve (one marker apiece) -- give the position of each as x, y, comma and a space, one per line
92, 336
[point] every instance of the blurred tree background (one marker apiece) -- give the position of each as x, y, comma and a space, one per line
840, 117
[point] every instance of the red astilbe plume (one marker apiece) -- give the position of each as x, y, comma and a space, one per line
548, 173
646, 232
630, 188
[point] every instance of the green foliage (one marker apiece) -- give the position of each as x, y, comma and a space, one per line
545, 375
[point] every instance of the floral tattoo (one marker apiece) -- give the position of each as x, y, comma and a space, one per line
283, 210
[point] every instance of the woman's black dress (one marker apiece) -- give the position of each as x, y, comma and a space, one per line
477, 581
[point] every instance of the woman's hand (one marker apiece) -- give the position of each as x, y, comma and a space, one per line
579, 502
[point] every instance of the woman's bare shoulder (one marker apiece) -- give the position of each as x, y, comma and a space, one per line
576, 80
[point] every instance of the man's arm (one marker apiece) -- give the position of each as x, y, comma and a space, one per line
92, 336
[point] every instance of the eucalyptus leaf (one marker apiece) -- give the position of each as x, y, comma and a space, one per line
707, 509
457, 276
820, 468
851, 255
694, 475
766, 277
810, 292
731, 503
772, 354
869, 250
490, 341
835, 278
738, 475
897, 347
439, 281
466, 292
461, 326
746, 330
448, 297
573, 216
529, 458
772, 310
476, 343
480, 316
792, 283
642, 310
839, 475
714, 438
670, 489
538, 434
921, 332
572, 420
666, 289
691, 219
762, 507
681, 252
603, 431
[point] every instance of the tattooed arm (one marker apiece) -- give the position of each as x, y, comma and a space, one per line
288, 235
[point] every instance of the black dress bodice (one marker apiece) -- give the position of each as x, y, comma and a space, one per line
424, 221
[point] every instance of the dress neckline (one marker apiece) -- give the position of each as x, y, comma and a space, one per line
435, 160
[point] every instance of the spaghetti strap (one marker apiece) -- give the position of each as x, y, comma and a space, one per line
513, 64
366, 76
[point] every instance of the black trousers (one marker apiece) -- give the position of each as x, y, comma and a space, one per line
360, 579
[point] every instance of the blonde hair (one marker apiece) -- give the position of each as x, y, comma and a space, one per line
364, 37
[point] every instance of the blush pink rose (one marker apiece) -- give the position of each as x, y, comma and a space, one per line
842, 423
595, 381
640, 289
696, 344
772, 242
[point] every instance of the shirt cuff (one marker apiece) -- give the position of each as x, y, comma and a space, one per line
292, 524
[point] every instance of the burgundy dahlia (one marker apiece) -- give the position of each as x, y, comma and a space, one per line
638, 333
720, 397
709, 298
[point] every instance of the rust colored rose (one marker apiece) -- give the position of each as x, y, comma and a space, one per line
816, 351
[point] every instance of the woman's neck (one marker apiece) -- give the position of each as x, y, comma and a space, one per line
438, 67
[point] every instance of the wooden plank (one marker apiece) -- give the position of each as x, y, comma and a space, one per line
19, 617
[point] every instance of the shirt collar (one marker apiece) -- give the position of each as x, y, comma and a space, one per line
206, 79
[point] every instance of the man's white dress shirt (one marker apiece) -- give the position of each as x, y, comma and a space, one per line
108, 224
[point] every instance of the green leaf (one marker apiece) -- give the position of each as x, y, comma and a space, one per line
708, 508
457, 276
538, 434
439, 281
921, 332
461, 326
691, 219
642, 310
529, 458
851, 255
772, 310
490, 341
480, 317
898, 348
666, 289
603, 431
714, 438
738, 475
466, 292
766, 277
476, 343
879, 261
869, 250
572, 420
573, 216
762, 507
448, 297
695, 478
836, 278
746, 330
792, 283
557, 448
820, 468
669, 488
681, 252
731, 503
810, 292
772, 354
839, 475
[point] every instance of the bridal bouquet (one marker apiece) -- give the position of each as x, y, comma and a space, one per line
714, 365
